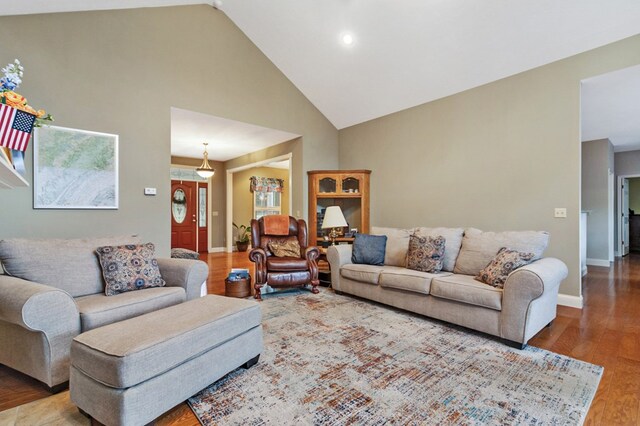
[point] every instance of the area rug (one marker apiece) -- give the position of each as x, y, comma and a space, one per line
337, 360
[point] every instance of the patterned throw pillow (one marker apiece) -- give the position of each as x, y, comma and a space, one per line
182, 253
426, 254
129, 267
286, 248
505, 262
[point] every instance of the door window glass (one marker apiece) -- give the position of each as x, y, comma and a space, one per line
179, 206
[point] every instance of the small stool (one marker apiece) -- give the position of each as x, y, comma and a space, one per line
130, 372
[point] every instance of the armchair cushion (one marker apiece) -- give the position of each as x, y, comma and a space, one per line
288, 248
286, 264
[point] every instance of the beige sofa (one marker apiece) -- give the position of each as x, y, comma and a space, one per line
53, 290
516, 313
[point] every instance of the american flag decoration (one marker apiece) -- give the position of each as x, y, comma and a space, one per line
15, 127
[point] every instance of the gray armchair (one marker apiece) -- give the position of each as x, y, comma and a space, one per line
50, 297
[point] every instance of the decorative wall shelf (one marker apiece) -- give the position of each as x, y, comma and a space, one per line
9, 178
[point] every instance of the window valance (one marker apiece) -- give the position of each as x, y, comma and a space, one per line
263, 184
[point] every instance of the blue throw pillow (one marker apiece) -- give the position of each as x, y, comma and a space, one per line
369, 249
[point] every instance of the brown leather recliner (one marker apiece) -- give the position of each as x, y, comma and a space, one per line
282, 271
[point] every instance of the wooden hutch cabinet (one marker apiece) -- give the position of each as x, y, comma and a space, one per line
348, 189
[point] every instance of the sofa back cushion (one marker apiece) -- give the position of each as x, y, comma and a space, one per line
70, 265
479, 248
397, 244
453, 241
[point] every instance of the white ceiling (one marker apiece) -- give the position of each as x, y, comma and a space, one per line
413, 51
610, 106
227, 138
25, 7
406, 52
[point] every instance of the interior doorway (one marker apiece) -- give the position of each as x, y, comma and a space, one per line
629, 214
254, 205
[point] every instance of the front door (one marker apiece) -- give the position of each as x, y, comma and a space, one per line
183, 215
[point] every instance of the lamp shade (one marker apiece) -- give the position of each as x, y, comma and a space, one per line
333, 218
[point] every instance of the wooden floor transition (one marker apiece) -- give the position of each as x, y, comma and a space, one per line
606, 332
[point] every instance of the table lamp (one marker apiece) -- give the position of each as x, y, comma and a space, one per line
333, 218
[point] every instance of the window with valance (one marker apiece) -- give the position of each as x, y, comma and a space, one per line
267, 193
264, 184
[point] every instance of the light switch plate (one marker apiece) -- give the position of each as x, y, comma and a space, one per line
560, 212
150, 191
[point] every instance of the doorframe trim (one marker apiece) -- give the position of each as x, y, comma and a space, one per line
229, 186
619, 247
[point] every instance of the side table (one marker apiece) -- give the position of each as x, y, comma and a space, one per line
324, 269
238, 288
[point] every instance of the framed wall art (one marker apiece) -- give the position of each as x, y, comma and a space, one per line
74, 169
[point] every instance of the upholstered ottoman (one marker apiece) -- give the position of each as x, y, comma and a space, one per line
130, 372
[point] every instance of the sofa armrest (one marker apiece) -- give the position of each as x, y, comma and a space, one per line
186, 273
38, 307
337, 256
538, 280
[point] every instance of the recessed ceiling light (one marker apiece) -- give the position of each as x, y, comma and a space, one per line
347, 39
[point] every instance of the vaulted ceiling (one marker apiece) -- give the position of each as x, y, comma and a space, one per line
403, 53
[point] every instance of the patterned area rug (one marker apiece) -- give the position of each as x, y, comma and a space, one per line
336, 360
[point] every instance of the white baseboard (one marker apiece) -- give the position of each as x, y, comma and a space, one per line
584, 271
570, 301
598, 262
217, 250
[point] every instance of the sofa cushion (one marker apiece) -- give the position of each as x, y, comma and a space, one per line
397, 244
505, 262
99, 309
479, 248
369, 249
408, 279
425, 253
126, 353
129, 267
70, 265
364, 273
464, 288
453, 241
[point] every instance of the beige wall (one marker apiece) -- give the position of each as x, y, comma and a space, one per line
120, 72
243, 197
597, 160
498, 157
218, 195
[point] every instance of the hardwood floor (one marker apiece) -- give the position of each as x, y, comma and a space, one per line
606, 332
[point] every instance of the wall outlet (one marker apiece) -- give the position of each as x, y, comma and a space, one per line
560, 212
150, 191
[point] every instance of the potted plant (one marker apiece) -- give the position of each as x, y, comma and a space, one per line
242, 237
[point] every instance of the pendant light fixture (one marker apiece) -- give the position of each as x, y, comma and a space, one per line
205, 169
